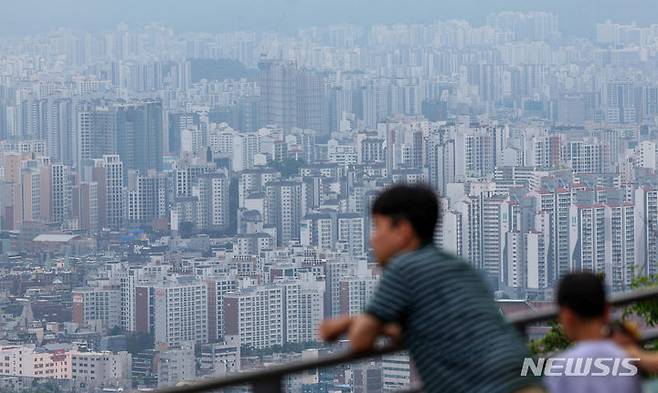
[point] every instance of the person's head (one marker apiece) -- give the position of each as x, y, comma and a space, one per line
405, 217
583, 308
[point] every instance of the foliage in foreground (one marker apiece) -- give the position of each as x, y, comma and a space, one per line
554, 341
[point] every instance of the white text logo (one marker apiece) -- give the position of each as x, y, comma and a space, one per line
579, 367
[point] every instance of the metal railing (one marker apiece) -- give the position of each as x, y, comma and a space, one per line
270, 380
523, 319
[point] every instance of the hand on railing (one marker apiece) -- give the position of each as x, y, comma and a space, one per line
332, 329
393, 331
362, 331
648, 360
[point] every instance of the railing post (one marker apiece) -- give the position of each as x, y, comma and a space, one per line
268, 385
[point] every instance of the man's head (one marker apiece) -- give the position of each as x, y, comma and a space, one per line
405, 217
583, 306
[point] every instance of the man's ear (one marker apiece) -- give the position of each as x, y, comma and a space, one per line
406, 229
565, 316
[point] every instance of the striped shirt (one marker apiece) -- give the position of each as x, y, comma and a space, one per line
455, 333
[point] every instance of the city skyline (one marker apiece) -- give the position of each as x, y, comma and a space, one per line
183, 202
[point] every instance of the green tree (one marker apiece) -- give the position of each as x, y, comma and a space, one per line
554, 341
647, 309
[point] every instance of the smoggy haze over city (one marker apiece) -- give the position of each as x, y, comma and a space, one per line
36, 16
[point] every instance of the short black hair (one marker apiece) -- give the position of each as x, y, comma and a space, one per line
416, 203
583, 293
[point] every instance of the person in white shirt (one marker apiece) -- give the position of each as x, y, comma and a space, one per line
602, 366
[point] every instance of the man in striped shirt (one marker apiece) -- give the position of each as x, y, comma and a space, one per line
448, 320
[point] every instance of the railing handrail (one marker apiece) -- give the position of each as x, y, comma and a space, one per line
523, 319
275, 372
649, 335
261, 379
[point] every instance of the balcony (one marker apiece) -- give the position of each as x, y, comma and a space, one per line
270, 380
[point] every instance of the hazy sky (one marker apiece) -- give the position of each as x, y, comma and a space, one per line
19, 17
